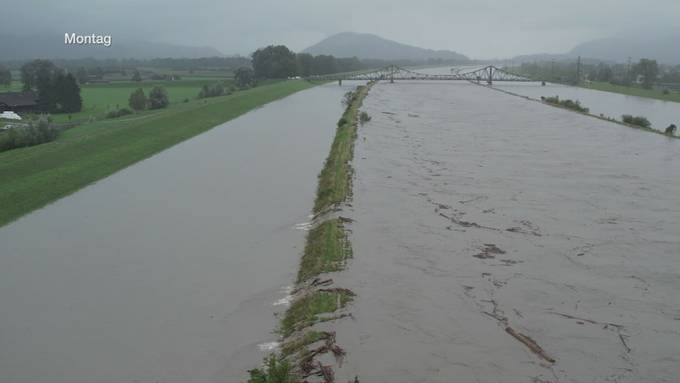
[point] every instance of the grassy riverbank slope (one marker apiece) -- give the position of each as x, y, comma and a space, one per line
35, 176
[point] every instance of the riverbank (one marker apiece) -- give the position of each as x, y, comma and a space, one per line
316, 298
633, 91
35, 176
584, 112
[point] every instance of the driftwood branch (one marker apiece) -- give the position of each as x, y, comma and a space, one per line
530, 343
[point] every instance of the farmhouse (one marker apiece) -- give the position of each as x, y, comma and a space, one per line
19, 102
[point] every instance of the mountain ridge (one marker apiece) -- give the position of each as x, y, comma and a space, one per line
370, 46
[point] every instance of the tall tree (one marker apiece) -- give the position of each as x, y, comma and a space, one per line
305, 63
649, 70
158, 98
324, 64
137, 99
274, 62
37, 74
67, 94
244, 77
5, 76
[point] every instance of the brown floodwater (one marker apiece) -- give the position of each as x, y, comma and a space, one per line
480, 215
169, 270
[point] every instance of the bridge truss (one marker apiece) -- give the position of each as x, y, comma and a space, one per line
488, 74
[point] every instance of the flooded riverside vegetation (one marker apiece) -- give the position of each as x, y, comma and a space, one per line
497, 239
169, 270
610, 105
319, 301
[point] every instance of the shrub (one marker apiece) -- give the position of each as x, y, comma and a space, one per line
347, 99
36, 132
137, 100
244, 78
273, 371
666, 92
118, 113
364, 117
158, 98
636, 120
214, 90
569, 104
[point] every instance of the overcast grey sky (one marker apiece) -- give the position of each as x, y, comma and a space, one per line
479, 28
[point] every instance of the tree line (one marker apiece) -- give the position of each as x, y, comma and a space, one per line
646, 72
277, 61
107, 66
5, 76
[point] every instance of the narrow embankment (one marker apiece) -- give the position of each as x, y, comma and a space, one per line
584, 111
32, 177
309, 353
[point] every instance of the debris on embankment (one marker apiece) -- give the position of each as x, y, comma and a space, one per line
302, 356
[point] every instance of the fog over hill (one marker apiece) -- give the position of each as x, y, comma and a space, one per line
369, 46
664, 48
52, 46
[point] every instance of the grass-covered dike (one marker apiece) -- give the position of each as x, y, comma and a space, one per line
34, 176
317, 298
335, 178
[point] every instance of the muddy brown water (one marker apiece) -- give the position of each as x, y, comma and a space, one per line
168, 270
607, 104
660, 113
478, 211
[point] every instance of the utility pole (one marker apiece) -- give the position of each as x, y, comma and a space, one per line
578, 71
628, 71
552, 70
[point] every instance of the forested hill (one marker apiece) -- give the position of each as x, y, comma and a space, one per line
368, 46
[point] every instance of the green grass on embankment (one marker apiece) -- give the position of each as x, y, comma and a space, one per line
326, 250
35, 176
306, 310
335, 178
633, 90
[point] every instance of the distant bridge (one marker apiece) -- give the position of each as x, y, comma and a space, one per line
488, 74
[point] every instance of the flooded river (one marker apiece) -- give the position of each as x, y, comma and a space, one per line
494, 235
613, 105
168, 271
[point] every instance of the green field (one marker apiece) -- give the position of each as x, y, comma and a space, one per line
35, 176
98, 99
634, 91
